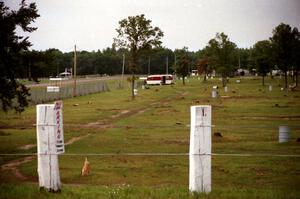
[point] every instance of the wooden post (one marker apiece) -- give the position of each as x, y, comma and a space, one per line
50, 143
200, 149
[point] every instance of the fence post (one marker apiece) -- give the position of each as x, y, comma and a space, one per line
200, 149
50, 143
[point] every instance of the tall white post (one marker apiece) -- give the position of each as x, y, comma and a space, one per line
50, 142
200, 149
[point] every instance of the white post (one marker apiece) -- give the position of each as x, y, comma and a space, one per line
225, 89
50, 142
200, 149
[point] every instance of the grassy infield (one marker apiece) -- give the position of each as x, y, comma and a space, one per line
157, 122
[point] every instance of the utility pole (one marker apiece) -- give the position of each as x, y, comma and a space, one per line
75, 63
167, 69
123, 68
149, 65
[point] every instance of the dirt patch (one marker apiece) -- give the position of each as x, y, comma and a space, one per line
27, 146
271, 117
99, 125
216, 138
12, 166
120, 114
112, 109
244, 97
142, 111
75, 139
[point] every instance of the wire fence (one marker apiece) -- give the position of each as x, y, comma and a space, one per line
41, 95
157, 154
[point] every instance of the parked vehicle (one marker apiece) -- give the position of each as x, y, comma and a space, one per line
159, 79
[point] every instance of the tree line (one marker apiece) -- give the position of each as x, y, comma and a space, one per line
109, 61
280, 52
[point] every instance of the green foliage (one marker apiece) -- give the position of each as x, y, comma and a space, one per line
182, 65
10, 47
203, 67
262, 57
283, 41
137, 35
244, 57
221, 54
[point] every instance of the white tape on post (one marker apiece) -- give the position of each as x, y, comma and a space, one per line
200, 149
50, 142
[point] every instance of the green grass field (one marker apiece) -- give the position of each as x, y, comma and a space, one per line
248, 117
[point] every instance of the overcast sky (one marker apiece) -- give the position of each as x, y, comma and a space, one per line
91, 24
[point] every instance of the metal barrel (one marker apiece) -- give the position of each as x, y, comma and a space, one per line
214, 94
284, 134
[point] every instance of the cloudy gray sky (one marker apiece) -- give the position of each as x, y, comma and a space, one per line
91, 24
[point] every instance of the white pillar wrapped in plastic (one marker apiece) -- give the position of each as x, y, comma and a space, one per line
200, 149
50, 142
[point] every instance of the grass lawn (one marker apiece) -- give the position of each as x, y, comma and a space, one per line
157, 121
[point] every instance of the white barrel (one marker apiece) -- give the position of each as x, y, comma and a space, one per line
135, 91
214, 94
284, 134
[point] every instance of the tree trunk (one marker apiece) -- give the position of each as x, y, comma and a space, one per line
296, 78
224, 81
29, 71
132, 87
204, 76
183, 81
285, 79
263, 80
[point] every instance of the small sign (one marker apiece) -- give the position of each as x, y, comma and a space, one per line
52, 89
59, 134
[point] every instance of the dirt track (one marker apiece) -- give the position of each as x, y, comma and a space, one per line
12, 166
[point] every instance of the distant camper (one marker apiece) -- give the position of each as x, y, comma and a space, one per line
160, 79
66, 75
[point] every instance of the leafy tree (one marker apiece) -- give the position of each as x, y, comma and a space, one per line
11, 46
53, 60
34, 62
221, 54
203, 67
296, 55
158, 61
283, 41
182, 63
244, 58
137, 35
262, 58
